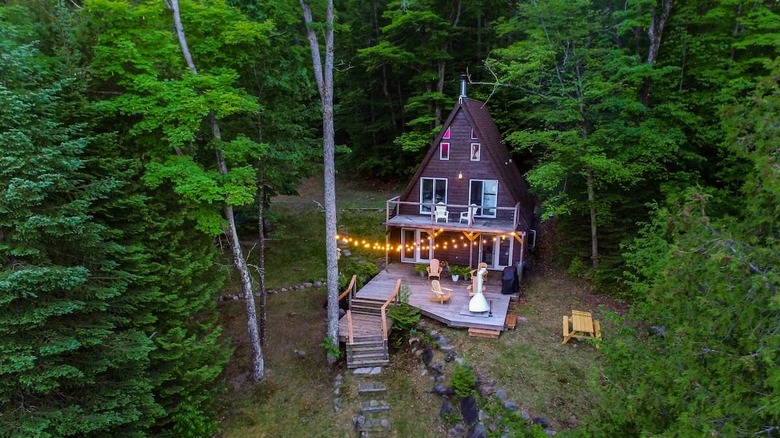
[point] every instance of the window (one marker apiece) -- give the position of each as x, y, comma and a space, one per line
446, 134
432, 191
484, 193
473, 134
444, 151
475, 151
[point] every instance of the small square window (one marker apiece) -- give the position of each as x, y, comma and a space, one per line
473, 134
444, 151
475, 151
447, 134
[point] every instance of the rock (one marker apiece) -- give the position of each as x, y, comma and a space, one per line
501, 394
337, 391
510, 406
478, 431
433, 333
469, 410
300, 353
541, 421
284, 289
525, 415
359, 421
550, 432
522, 320
336, 404
339, 377
376, 370
483, 416
427, 355
308, 285
457, 431
446, 408
460, 361
317, 283
437, 369
385, 423
342, 312
658, 330
451, 355
442, 390
447, 348
362, 371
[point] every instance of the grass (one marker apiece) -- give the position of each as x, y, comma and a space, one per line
542, 376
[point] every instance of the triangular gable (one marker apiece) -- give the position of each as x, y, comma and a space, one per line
492, 146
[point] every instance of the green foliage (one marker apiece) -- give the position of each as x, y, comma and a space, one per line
420, 268
714, 290
577, 268
463, 381
331, 347
463, 271
405, 317
72, 356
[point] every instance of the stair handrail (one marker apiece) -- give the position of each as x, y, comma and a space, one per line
384, 308
350, 334
348, 290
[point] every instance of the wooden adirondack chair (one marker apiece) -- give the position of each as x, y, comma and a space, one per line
473, 287
441, 213
438, 292
434, 269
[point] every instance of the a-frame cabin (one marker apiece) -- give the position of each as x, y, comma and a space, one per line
468, 202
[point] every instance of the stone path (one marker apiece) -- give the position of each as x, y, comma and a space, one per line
373, 418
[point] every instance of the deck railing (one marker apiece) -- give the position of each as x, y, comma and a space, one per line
350, 290
393, 298
393, 209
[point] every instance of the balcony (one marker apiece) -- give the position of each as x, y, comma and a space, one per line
403, 214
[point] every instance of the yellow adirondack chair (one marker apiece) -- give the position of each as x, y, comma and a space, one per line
438, 292
473, 287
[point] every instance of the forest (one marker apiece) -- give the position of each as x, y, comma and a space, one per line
648, 130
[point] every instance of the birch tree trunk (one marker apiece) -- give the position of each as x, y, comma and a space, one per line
258, 362
324, 77
655, 33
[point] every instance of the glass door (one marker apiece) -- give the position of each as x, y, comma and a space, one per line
415, 246
496, 251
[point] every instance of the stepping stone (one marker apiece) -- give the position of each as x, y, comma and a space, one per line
373, 406
371, 388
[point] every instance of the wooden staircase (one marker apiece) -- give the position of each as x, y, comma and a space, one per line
367, 346
367, 329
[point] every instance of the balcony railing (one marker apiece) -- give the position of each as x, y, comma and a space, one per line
395, 204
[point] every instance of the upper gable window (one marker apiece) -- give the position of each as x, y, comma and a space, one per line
476, 151
473, 134
446, 134
444, 151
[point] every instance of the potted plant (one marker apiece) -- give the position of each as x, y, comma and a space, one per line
457, 271
421, 268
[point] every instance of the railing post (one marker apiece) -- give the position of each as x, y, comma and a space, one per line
350, 335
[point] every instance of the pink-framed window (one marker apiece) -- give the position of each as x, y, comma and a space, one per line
447, 134
444, 151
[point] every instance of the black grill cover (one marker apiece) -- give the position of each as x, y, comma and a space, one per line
510, 284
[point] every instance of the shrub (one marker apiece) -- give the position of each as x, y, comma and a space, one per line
463, 381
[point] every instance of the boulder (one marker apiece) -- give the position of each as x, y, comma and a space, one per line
469, 410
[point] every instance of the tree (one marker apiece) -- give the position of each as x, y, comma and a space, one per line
323, 73
708, 285
72, 356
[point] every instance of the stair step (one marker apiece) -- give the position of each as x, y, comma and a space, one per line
367, 407
367, 358
484, 333
372, 388
366, 345
367, 363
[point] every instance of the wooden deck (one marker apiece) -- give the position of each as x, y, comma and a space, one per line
454, 313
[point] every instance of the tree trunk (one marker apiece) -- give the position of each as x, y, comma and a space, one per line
655, 33
324, 78
258, 363
261, 256
594, 241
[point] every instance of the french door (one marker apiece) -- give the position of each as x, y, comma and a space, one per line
416, 246
496, 251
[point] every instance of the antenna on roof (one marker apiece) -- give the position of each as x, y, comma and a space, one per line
463, 79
